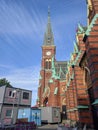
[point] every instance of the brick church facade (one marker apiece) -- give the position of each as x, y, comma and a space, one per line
52, 74
73, 84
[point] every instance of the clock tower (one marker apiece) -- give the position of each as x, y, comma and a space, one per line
52, 73
48, 47
48, 55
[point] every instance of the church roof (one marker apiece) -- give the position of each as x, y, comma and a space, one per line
48, 36
60, 68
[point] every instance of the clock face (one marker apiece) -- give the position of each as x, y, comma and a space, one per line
48, 53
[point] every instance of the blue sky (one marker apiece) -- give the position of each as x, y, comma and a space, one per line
22, 27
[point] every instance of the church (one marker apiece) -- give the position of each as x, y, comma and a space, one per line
51, 91
73, 85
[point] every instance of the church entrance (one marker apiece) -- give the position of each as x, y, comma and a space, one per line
45, 103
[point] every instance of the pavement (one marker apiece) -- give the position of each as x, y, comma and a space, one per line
48, 127
54, 127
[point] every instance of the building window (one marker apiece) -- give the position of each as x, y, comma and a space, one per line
86, 77
25, 95
10, 93
13, 95
8, 113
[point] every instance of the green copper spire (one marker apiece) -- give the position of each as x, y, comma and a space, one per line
53, 68
80, 28
49, 15
54, 75
48, 37
40, 77
53, 62
61, 73
76, 47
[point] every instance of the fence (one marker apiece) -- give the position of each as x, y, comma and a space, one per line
20, 126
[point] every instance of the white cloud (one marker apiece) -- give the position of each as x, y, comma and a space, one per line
16, 19
5, 66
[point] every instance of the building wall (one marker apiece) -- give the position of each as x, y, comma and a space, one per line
62, 98
77, 97
12, 101
25, 101
18, 96
91, 43
11, 118
2, 91
82, 90
10, 97
54, 92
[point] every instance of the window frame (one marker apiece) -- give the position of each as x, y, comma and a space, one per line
25, 97
7, 114
10, 93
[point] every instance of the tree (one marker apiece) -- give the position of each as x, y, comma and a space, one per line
4, 81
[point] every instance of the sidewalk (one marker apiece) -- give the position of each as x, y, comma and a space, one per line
48, 127
55, 127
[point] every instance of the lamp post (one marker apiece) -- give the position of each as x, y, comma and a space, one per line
13, 97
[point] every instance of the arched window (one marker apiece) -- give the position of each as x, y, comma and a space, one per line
87, 78
48, 64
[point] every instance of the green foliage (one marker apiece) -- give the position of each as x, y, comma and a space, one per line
3, 82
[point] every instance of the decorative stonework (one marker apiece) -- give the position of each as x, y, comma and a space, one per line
46, 92
64, 101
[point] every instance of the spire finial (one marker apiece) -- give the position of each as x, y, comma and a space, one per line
48, 14
48, 11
